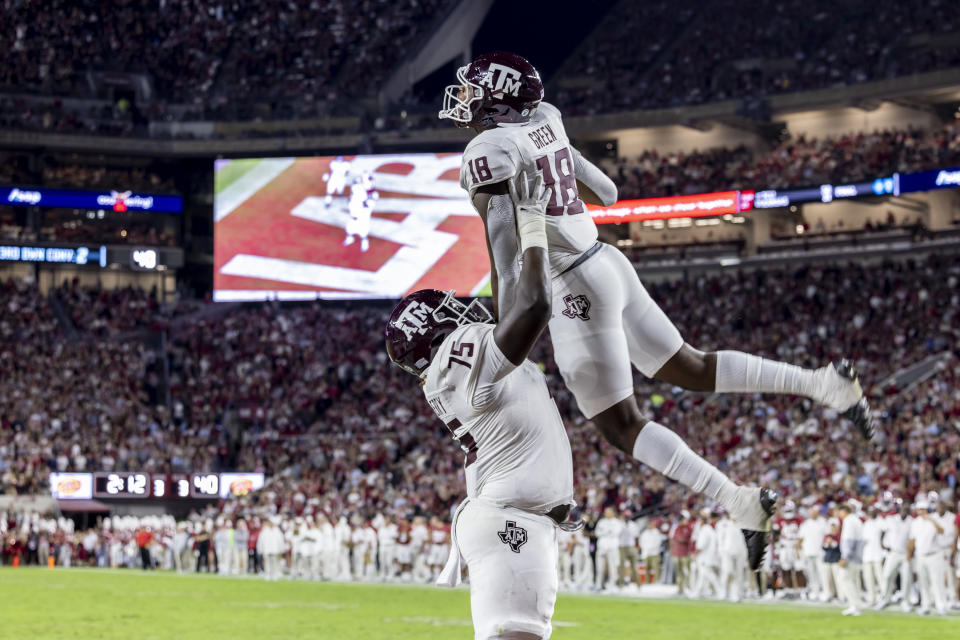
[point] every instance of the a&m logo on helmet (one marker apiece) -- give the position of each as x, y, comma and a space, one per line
413, 319
501, 80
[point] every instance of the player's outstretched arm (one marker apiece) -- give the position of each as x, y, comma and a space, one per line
528, 311
594, 185
495, 206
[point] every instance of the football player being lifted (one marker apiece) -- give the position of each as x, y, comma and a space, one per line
603, 318
518, 467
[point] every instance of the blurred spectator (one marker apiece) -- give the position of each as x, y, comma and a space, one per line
320, 409
666, 54
796, 162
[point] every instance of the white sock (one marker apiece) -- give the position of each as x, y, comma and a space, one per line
665, 451
739, 372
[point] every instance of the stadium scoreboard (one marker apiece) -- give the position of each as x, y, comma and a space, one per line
140, 485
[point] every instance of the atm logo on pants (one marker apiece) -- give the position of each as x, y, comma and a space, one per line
513, 536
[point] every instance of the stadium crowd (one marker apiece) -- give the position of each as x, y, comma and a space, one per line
98, 227
304, 393
317, 402
216, 56
74, 175
686, 52
794, 162
302, 58
71, 172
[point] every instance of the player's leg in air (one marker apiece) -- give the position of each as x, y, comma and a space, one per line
835, 385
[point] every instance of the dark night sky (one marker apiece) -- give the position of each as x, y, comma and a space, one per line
545, 33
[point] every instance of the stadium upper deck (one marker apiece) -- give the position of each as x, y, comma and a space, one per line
201, 61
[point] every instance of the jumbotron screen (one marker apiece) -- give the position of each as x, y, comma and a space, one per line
376, 226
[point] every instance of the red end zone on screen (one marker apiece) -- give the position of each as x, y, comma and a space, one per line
344, 227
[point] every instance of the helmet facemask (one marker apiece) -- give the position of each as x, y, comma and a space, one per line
458, 98
453, 309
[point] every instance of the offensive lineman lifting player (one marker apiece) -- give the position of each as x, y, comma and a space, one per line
603, 319
518, 467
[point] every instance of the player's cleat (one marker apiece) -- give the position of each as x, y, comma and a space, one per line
839, 385
859, 412
757, 535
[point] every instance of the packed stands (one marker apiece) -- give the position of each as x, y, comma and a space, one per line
226, 61
692, 53
219, 57
97, 176
794, 162
323, 407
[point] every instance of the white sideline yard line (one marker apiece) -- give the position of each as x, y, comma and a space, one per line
248, 184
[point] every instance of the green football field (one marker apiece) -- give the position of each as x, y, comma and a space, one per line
130, 605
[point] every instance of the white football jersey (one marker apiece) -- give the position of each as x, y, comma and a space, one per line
542, 145
872, 534
387, 534
812, 531
418, 536
946, 522
517, 451
896, 533
706, 542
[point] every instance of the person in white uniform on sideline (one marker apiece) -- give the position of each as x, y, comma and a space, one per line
582, 563
518, 464
924, 531
419, 548
872, 554
708, 557
629, 556
328, 548
946, 542
851, 557
810, 539
270, 545
733, 559
387, 549
343, 535
651, 544
608, 531
896, 537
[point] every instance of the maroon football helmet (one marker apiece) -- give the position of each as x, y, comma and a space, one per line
495, 88
419, 324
